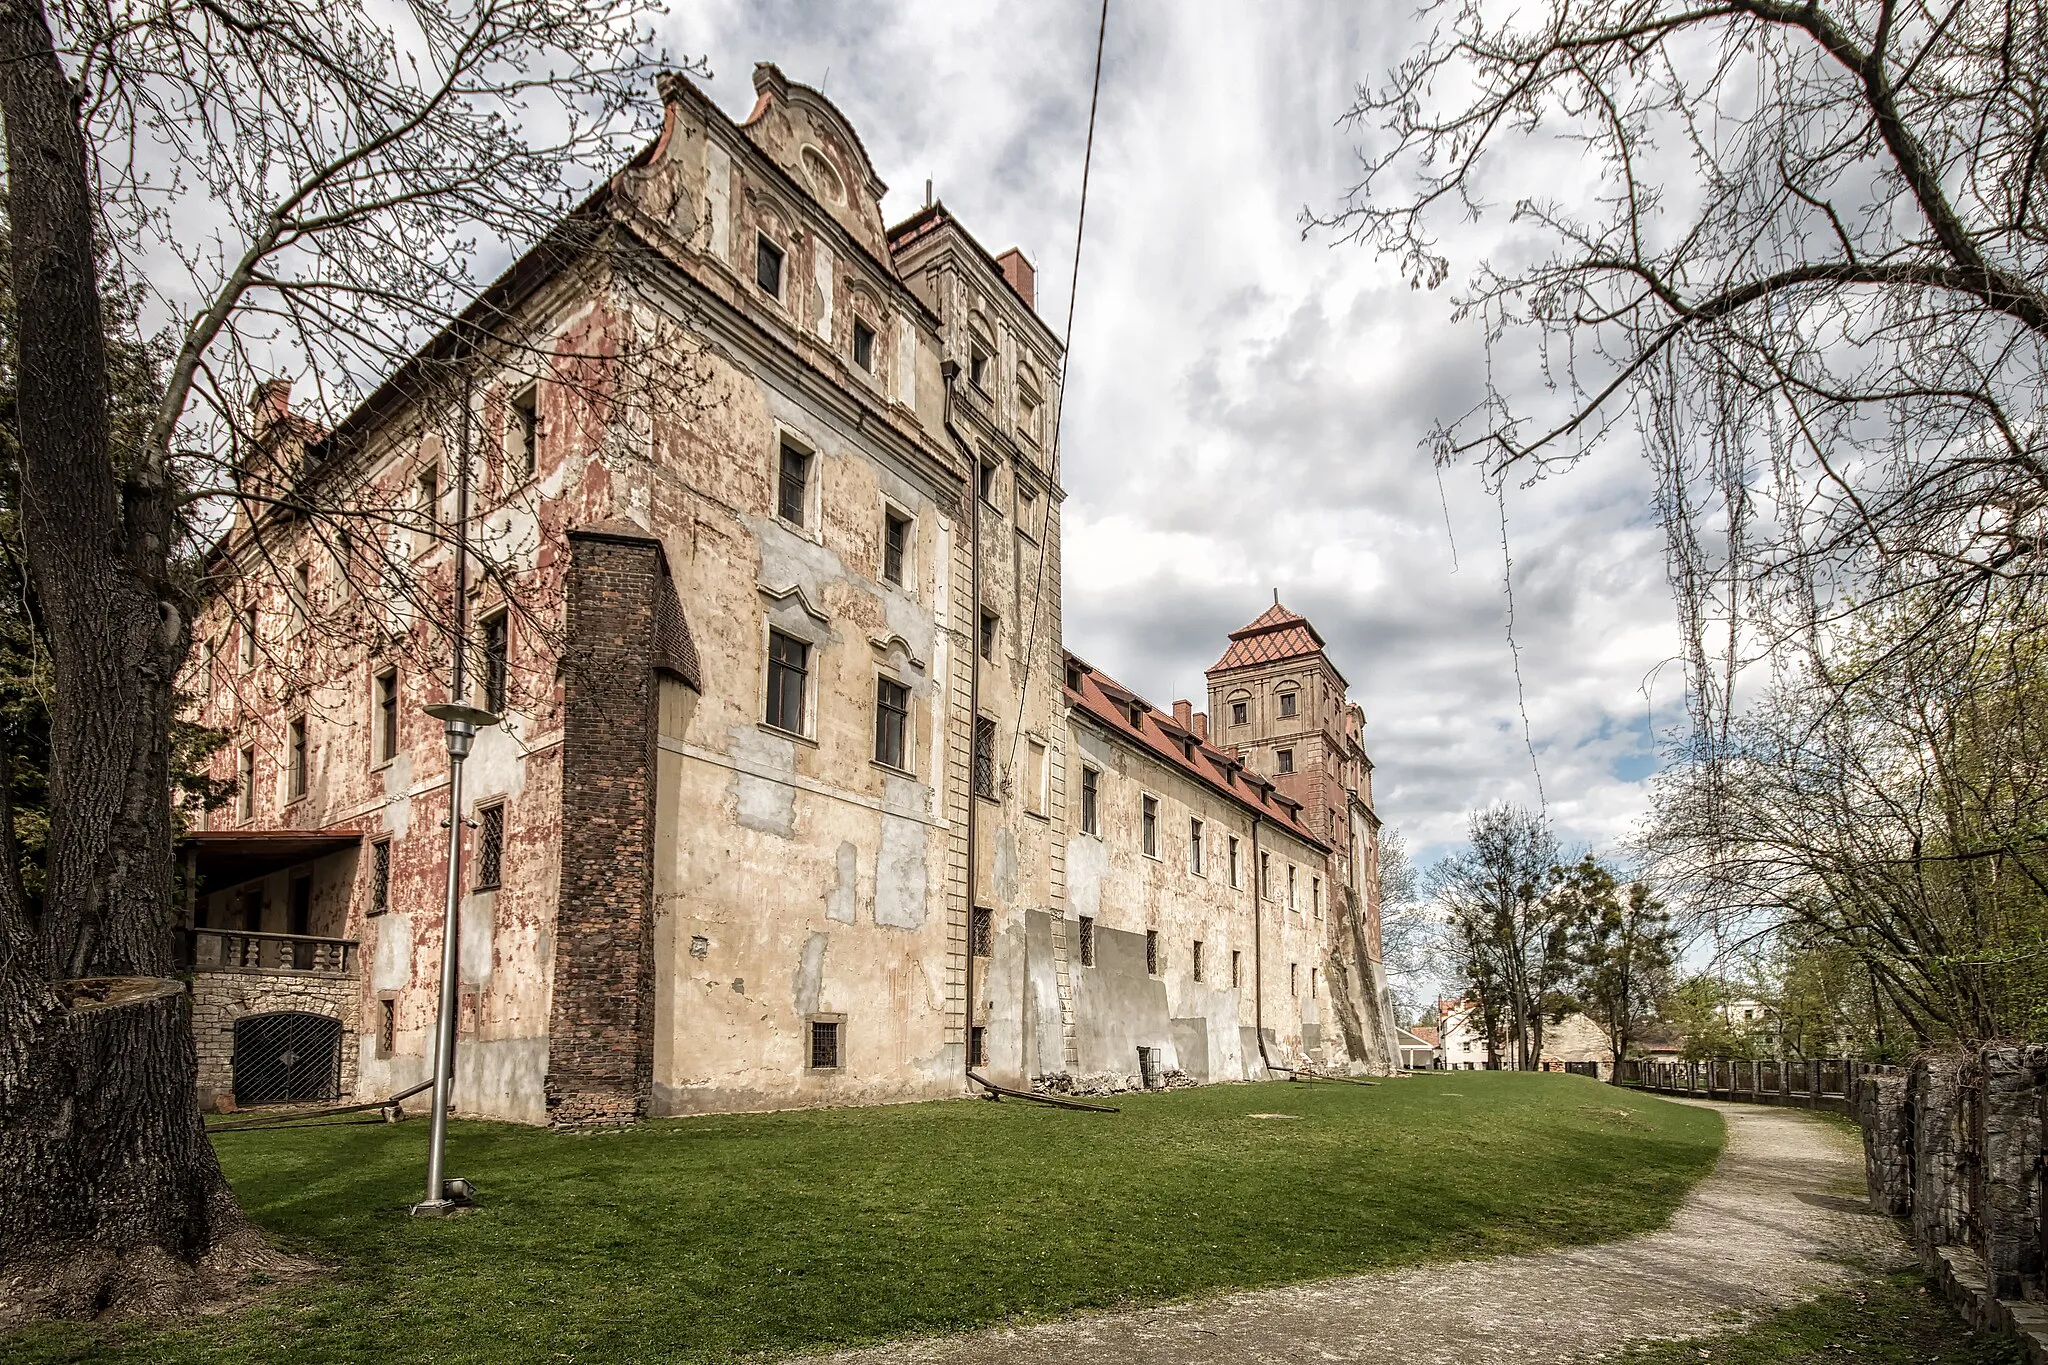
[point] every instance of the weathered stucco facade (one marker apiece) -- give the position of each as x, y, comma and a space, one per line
764, 520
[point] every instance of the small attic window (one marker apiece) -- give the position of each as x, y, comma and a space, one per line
1073, 678
1137, 716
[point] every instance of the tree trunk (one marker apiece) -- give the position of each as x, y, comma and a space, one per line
113, 1199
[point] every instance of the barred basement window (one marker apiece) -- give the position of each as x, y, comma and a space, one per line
490, 846
985, 758
380, 876
977, 1046
1087, 941
1197, 960
1151, 952
825, 1045
983, 939
387, 1027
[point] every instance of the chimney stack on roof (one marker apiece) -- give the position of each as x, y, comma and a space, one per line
271, 404
1184, 715
1202, 726
1022, 277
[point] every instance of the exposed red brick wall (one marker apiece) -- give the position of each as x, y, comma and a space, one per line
601, 1025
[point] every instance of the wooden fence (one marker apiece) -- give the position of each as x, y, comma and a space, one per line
1807, 1083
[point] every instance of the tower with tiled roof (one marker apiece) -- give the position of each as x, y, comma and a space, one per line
1278, 704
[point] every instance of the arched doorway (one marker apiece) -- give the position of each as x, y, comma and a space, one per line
287, 1057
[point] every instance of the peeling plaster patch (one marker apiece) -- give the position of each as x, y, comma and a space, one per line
839, 901
1006, 863
900, 874
1087, 865
910, 620
761, 803
398, 779
479, 937
700, 947
392, 970
810, 974
496, 768
739, 985
788, 558
906, 796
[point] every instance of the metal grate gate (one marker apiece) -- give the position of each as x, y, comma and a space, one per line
287, 1057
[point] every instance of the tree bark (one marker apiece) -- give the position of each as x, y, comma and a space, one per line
113, 1199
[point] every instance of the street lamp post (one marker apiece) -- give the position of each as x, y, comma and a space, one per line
460, 723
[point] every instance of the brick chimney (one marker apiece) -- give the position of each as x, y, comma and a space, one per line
271, 404
1184, 715
1022, 277
1202, 726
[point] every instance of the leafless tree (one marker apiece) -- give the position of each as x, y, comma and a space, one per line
1811, 288
300, 186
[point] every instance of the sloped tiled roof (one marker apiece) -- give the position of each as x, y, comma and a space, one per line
1277, 634
1135, 721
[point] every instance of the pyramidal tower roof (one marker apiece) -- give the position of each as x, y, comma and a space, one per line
1277, 634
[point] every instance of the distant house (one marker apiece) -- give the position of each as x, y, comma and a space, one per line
1461, 1036
1418, 1047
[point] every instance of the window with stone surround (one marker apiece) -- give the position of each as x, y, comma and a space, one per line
497, 661
1234, 875
1289, 702
380, 876
892, 724
863, 345
1087, 937
1148, 825
1195, 960
895, 547
792, 484
1151, 952
982, 940
1195, 847
245, 783
828, 1044
1091, 782
768, 266
789, 665
295, 758
490, 846
1240, 713
384, 743
1286, 758
985, 758
1236, 968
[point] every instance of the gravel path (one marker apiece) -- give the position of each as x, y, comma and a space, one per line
1767, 1227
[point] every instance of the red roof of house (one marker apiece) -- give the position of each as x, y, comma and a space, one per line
1277, 634
1113, 705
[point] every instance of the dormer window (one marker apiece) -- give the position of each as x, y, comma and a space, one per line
1137, 716
768, 266
1073, 678
863, 345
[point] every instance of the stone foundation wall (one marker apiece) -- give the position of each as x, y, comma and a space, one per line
2015, 1083
1887, 1143
1933, 1089
220, 998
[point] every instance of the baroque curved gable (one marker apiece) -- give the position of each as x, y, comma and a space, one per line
805, 134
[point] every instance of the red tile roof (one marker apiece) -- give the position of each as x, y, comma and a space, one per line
1277, 634
1136, 721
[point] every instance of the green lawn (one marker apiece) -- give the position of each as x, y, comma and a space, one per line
710, 1238
1892, 1320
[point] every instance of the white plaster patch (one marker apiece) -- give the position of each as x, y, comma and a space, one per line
718, 190
495, 768
391, 970
906, 363
840, 900
821, 270
761, 803
810, 974
1006, 863
1087, 865
900, 874
478, 946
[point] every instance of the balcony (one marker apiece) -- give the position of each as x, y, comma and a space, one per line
245, 950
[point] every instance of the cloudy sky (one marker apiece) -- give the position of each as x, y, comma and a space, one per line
1247, 407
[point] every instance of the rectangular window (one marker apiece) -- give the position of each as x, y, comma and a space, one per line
1286, 757
895, 543
1087, 941
295, 758
982, 943
892, 723
791, 481
428, 491
1152, 952
1294, 978
1195, 847
1265, 874
387, 1026
825, 1045
1148, 819
245, 783
977, 1046
768, 266
386, 719
1292, 903
380, 876
248, 624
490, 847
1315, 895
1288, 701
789, 665
988, 636
1090, 784
497, 661
1311, 983
1240, 713
863, 345
1236, 968
1027, 415
302, 593
1195, 961
985, 758
988, 482
1027, 510
1034, 777
522, 435
977, 367
1233, 862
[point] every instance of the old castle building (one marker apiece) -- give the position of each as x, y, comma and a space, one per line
797, 799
